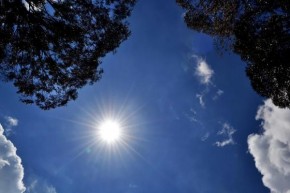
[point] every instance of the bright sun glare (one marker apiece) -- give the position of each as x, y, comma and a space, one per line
110, 131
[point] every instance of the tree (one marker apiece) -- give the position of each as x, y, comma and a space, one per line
257, 30
51, 48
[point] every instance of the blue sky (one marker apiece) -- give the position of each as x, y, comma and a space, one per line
193, 122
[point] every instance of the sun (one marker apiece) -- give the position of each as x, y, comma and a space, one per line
110, 131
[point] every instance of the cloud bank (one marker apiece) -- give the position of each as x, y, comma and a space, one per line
271, 149
11, 169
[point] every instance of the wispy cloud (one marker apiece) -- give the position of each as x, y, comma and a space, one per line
205, 136
192, 115
227, 131
271, 149
11, 169
11, 121
38, 185
203, 71
218, 94
200, 99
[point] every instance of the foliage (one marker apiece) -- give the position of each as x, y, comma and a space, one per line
51, 48
258, 30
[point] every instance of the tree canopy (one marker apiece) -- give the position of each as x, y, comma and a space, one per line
257, 30
51, 48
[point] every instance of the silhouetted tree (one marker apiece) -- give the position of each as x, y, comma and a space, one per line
257, 30
51, 48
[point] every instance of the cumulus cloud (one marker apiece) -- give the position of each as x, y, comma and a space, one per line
11, 169
203, 71
227, 131
271, 149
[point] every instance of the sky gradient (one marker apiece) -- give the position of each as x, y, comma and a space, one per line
192, 121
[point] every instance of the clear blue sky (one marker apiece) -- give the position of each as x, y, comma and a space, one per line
188, 112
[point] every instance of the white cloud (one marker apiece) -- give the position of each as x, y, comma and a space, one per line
228, 131
11, 121
203, 71
271, 149
201, 96
218, 94
200, 99
192, 115
205, 136
11, 169
38, 185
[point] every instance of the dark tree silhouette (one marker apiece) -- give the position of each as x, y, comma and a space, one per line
51, 48
257, 30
